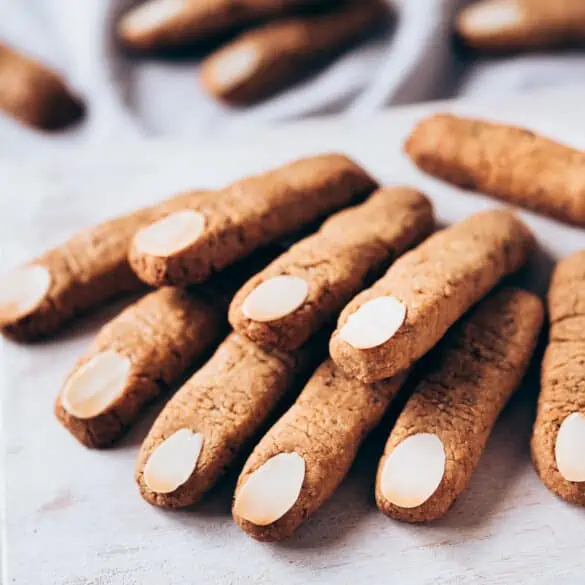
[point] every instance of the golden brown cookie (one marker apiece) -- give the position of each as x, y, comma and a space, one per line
34, 95
213, 416
188, 247
305, 287
261, 61
140, 355
464, 383
509, 163
558, 439
87, 270
389, 326
304, 457
506, 25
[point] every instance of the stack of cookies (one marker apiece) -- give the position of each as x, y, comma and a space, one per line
239, 325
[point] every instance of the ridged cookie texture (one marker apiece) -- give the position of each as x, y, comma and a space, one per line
213, 417
510, 163
389, 326
189, 247
134, 359
86, 271
463, 384
558, 439
303, 289
302, 459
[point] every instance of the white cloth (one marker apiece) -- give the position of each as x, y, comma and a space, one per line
131, 98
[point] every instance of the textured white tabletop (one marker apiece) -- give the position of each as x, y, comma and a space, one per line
73, 516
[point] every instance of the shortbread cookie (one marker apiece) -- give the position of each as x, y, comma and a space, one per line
212, 417
165, 24
304, 457
145, 352
34, 95
87, 270
386, 328
509, 163
505, 25
250, 213
464, 383
261, 61
303, 289
138, 356
558, 440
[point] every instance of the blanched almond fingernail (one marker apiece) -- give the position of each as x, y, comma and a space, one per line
173, 461
151, 15
171, 234
96, 385
570, 448
275, 298
22, 290
272, 490
231, 66
374, 323
492, 16
414, 470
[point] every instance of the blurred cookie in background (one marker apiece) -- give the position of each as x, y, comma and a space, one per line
508, 25
164, 24
263, 60
34, 95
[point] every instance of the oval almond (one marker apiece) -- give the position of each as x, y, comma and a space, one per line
414, 470
272, 490
96, 385
171, 234
173, 461
374, 323
275, 298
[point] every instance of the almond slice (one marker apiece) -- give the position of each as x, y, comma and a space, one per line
151, 15
272, 490
171, 234
374, 323
231, 66
492, 16
414, 470
96, 385
570, 448
22, 290
173, 462
275, 298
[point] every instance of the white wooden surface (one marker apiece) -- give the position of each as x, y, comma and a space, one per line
73, 516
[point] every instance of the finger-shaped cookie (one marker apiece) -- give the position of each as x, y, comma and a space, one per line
303, 289
165, 24
509, 163
504, 25
465, 382
262, 61
558, 439
135, 358
34, 95
87, 270
250, 213
212, 417
304, 457
386, 328
145, 352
